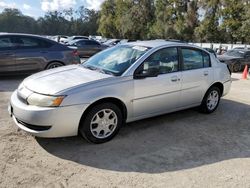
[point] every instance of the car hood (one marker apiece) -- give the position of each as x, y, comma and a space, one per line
227, 58
56, 80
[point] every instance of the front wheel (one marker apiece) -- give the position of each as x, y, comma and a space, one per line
211, 100
101, 123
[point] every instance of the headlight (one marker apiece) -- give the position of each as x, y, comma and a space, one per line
45, 100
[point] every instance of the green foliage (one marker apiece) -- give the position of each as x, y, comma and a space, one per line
68, 22
233, 14
189, 20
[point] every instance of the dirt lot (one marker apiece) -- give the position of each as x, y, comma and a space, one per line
183, 149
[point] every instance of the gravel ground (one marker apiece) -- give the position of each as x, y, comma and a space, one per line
182, 149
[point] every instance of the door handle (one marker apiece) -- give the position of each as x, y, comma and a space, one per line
205, 73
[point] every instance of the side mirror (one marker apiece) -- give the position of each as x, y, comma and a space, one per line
151, 72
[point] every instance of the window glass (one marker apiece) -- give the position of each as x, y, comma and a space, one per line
115, 60
192, 59
92, 43
206, 59
5, 42
166, 60
80, 43
28, 42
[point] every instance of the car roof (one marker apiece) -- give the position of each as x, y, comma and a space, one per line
76, 40
21, 34
159, 43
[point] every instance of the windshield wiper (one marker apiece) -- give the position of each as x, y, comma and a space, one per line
98, 69
90, 67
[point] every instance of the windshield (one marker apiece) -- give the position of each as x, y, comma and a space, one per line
115, 60
235, 53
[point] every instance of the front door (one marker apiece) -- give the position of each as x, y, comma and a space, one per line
155, 95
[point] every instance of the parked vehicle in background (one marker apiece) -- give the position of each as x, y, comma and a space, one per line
112, 42
86, 48
22, 53
210, 50
60, 38
126, 41
121, 84
75, 38
236, 59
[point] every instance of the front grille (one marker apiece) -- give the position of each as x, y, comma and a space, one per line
34, 127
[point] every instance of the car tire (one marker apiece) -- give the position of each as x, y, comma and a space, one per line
236, 67
211, 100
53, 65
101, 123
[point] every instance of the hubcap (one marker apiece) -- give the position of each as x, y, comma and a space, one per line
212, 100
236, 67
54, 65
104, 123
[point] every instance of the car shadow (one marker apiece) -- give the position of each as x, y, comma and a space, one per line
10, 83
171, 142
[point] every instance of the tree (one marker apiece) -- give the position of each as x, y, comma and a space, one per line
12, 20
107, 25
232, 18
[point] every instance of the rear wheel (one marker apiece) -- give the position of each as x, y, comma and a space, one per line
236, 67
54, 65
101, 123
211, 100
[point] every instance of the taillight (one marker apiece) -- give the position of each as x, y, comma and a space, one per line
75, 53
229, 70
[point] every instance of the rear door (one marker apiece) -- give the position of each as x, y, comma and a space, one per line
197, 76
31, 53
7, 54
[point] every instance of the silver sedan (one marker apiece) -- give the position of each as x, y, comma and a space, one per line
118, 85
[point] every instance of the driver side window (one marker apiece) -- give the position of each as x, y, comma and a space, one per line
165, 60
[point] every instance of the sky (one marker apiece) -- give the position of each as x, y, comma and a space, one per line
37, 8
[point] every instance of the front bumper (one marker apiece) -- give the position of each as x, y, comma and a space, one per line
46, 121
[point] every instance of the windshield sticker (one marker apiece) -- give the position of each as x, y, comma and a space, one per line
140, 48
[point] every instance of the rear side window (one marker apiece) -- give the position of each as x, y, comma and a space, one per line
206, 60
80, 43
90, 42
6, 43
29, 42
195, 59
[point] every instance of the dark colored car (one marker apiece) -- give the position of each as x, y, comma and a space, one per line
22, 53
236, 59
86, 48
210, 50
112, 42
69, 39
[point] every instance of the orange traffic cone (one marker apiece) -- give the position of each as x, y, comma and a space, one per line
244, 75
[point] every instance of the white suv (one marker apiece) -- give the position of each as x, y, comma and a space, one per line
121, 84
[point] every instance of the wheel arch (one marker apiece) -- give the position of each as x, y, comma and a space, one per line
120, 104
54, 61
218, 85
